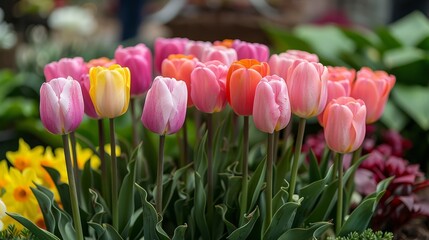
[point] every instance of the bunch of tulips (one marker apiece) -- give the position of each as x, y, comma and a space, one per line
208, 77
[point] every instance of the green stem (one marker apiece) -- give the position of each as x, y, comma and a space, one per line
135, 140
160, 170
276, 145
185, 159
72, 189
114, 168
355, 157
340, 194
103, 166
75, 164
269, 179
335, 166
244, 182
210, 186
298, 146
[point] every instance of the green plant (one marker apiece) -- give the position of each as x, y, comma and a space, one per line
368, 234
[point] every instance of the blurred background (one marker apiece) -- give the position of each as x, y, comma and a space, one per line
391, 35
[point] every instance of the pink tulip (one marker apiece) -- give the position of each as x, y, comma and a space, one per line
247, 50
373, 87
180, 67
307, 86
167, 46
340, 80
271, 108
208, 91
65, 67
61, 105
344, 124
280, 63
196, 48
139, 60
89, 106
220, 53
164, 110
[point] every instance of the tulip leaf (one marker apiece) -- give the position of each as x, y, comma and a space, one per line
179, 232
126, 200
200, 207
255, 184
150, 217
282, 221
243, 232
136, 223
99, 207
282, 169
413, 100
38, 232
280, 198
314, 171
284, 40
313, 232
105, 232
222, 209
46, 207
63, 189
233, 190
405, 28
200, 160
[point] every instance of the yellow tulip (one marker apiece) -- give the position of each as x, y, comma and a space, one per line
110, 90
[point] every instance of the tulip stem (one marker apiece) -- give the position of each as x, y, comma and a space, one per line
269, 180
72, 189
160, 170
210, 187
340, 194
185, 145
276, 145
135, 139
75, 164
114, 168
244, 185
104, 169
298, 146
351, 181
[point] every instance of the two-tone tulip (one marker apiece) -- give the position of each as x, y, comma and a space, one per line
138, 59
307, 87
242, 79
271, 108
110, 90
61, 105
164, 47
344, 124
373, 87
180, 67
65, 67
164, 109
208, 82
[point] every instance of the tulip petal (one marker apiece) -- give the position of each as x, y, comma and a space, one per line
50, 109
205, 89
339, 138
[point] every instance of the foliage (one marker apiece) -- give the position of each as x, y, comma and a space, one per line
12, 233
368, 234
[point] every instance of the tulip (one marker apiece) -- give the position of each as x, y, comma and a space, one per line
271, 108
180, 67
110, 90
164, 110
89, 106
340, 80
164, 47
65, 67
307, 86
247, 50
223, 54
280, 63
100, 62
61, 105
344, 124
139, 60
196, 48
208, 86
373, 87
242, 78
228, 43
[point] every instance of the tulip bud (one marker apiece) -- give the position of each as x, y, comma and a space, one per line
65, 67
307, 86
247, 50
164, 47
61, 105
271, 108
164, 110
344, 124
220, 53
373, 87
110, 90
208, 86
139, 60
241, 81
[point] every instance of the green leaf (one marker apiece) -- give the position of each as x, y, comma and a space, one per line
360, 38
63, 189
126, 200
105, 231
255, 184
282, 221
200, 159
233, 191
388, 41
402, 56
200, 207
38, 232
284, 40
150, 218
179, 232
281, 169
45, 206
313, 232
222, 209
314, 170
281, 197
413, 100
100, 209
243, 232
405, 29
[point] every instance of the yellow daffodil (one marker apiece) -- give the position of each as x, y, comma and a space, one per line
5, 171
25, 157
